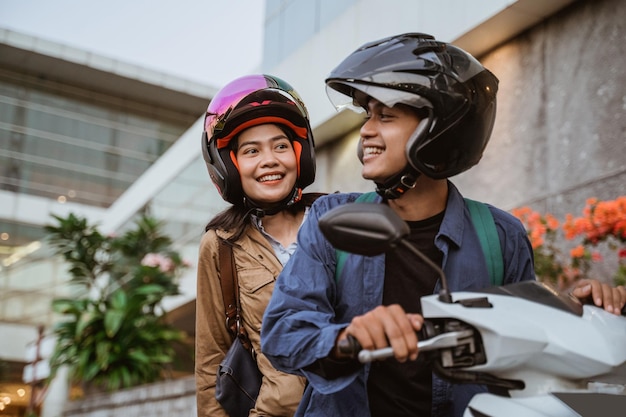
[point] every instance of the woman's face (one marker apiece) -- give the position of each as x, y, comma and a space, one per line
267, 163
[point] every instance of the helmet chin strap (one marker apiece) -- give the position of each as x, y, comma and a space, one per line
261, 210
398, 184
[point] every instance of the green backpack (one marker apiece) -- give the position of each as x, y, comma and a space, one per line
485, 228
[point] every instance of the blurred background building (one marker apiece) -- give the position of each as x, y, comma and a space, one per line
76, 132
105, 139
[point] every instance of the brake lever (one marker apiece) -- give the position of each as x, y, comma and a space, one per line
445, 340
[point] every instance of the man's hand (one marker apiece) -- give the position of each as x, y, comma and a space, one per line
602, 295
386, 326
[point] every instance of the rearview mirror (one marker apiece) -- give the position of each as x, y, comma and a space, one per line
364, 228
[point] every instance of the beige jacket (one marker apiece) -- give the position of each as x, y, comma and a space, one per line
257, 269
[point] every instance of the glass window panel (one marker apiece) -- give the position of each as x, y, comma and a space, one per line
51, 141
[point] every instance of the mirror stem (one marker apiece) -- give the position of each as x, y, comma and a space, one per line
444, 294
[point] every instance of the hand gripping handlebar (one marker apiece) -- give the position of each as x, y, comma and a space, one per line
445, 340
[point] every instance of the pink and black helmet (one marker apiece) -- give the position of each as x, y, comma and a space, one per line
250, 101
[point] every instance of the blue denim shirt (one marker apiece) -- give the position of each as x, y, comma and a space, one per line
309, 307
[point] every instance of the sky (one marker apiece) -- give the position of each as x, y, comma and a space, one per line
207, 41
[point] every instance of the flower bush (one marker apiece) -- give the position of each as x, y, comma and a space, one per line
112, 333
579, 246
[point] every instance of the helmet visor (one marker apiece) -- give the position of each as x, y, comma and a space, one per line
232, 94
354, 96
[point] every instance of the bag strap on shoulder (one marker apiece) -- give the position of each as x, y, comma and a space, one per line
230, 294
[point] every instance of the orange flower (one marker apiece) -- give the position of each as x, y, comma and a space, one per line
600, 221
577, 252
569, 227
521, 212
551, 222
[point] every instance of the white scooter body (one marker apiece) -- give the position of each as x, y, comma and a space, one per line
549, 349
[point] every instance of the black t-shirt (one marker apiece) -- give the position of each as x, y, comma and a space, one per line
405, 389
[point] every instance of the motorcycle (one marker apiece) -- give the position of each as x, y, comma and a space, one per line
551, 354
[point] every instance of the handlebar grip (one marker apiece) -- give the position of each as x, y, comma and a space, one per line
349, 347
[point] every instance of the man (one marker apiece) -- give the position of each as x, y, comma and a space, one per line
430, 110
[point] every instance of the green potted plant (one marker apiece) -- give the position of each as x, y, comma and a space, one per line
112, 333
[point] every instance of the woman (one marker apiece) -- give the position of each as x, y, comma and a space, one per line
259, 150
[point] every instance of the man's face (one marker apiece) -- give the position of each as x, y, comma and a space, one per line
383, 137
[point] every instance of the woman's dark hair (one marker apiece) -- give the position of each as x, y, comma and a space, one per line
237, 218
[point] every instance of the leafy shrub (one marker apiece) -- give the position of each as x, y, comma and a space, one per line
112, 334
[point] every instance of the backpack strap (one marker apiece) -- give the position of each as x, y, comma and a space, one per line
489, 241
484, 225
340, 255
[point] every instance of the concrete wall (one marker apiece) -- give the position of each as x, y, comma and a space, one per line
163, 399
560, 133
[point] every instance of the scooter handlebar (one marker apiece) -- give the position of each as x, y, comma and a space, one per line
351, 347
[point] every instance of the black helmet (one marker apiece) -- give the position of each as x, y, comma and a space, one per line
455, 92
250, 101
